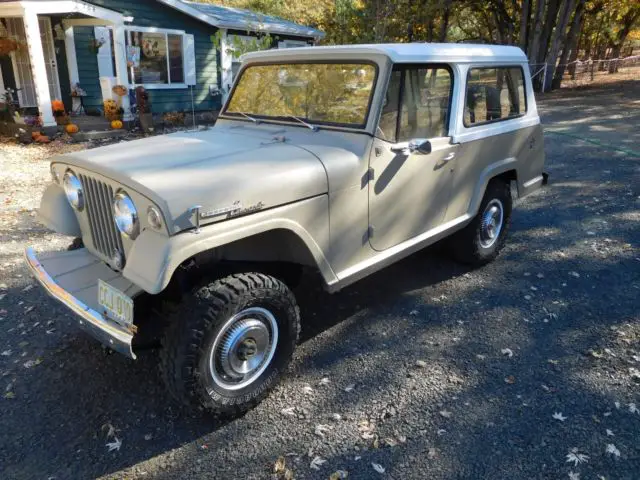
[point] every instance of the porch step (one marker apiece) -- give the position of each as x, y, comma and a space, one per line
87, 123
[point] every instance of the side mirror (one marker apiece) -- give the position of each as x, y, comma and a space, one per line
420, 146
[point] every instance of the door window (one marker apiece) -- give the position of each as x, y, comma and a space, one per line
417, 103
494, 94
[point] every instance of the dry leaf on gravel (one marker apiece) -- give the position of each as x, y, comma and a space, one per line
288, 411
320, 430
612, 450
445, 413
317, 462
307, 389
610, 433
324, 381
350, 387
574, 476
421, 364
559, 416
633, 408
378, 468
339, 475
115, 445
576, 457
507, 352
280, 465
510, 379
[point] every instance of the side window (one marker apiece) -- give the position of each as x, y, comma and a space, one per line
494, 94
417, 104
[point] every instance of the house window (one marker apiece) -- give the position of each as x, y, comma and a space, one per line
162, 58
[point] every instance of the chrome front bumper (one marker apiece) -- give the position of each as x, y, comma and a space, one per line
75, 274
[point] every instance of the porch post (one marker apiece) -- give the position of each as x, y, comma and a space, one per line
120, 54
36, 54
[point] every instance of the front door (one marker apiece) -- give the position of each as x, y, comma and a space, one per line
50, 62
409, 190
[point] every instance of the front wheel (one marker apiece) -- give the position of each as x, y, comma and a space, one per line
229, 342
480, 242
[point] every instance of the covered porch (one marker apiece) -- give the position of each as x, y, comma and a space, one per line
45, 34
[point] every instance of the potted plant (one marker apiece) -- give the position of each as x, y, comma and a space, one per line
144, 110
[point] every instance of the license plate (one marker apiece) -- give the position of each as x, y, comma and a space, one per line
117, 306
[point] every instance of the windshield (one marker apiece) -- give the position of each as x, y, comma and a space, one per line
318, 93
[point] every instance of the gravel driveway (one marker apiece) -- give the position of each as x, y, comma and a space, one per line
528, 368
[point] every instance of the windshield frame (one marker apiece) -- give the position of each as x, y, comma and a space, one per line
360, 127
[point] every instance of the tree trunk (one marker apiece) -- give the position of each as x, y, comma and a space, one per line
570, 45
445, 21
550, 20
574, 52
534, 40
628, 21
524, 24
559, 35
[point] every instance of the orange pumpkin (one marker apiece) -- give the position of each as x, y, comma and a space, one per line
42, 139
35, 135
116, 124
72, 128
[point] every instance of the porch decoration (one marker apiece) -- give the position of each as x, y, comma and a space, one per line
144, 110
116, 124
59, 112
8, 45
72, 128
95, 44
112, 111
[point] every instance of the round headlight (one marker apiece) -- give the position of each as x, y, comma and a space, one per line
125, 215
73, 190
154, 218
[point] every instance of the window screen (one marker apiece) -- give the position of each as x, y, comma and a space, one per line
494, 94
416, 104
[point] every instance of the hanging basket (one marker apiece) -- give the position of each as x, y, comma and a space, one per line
7, 45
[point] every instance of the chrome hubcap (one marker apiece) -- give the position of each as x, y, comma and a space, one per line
243, 348
491, 225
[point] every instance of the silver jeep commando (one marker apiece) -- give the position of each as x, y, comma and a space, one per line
339, 160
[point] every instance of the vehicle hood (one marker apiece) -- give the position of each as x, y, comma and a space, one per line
245, 169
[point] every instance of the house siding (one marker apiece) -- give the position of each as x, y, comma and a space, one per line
150, 13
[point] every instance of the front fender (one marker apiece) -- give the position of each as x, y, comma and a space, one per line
56, 213
154, 257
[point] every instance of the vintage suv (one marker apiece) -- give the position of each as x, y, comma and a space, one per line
343, 159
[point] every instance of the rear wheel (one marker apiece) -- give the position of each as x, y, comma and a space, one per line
480, 242
229, 343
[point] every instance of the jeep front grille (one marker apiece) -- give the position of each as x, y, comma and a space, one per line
105, 236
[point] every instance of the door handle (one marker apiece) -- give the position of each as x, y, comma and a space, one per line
450, 156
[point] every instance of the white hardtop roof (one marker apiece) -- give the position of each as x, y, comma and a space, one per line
405, 52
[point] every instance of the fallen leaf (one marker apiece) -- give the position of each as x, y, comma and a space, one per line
280, 465
577, 457
111, 431
510, 379
421, 364
339, 475
317, 462
307, 389
445, 413
350, 387
378, 468
633, 408
507, 352
610, 433
559, 416
288, 411
115, 445
324, 381
320, 430
6, 353
9, 395
574, 476
612, 450
574, 274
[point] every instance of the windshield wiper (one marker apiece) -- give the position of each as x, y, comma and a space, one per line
314, 128
254, 120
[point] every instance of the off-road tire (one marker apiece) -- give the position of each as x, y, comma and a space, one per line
465, 245
196, 321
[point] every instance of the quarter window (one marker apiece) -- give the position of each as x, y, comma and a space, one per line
494, 94
161, 58
417, 104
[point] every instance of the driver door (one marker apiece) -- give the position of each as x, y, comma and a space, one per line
412, 156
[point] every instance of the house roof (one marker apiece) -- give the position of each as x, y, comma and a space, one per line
239, 19
407, 52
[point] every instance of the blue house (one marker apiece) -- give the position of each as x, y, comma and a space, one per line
164, 45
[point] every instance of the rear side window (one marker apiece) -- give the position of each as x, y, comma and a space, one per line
416, 104
494, 94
